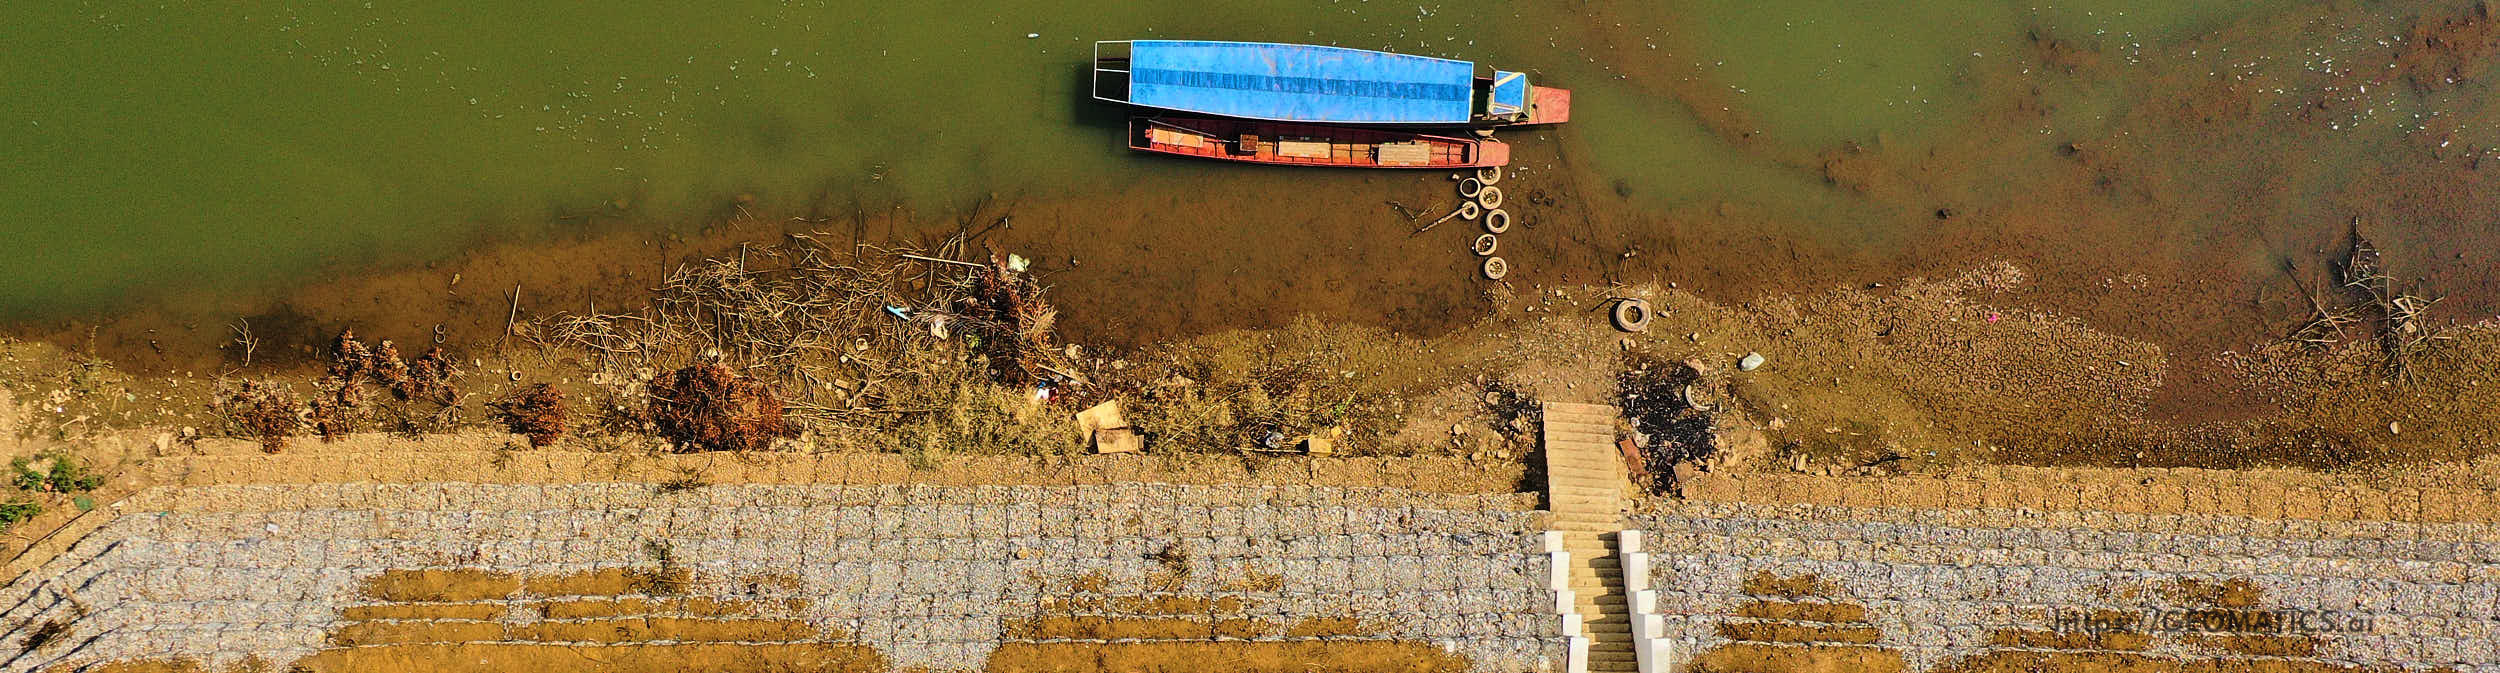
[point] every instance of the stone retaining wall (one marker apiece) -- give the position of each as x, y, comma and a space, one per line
927, 576
1980, 589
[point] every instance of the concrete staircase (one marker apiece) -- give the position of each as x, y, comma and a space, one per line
1584, 486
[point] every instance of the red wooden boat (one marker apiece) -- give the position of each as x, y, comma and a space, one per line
1309, 145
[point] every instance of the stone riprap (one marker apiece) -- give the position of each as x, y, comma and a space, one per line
928, 576
1950, 589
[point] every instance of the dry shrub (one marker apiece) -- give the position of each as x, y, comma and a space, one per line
707, 407
341, 406
536, 411
1231, 390
883, 351
260, 410
334, 411
429, 378
949, 404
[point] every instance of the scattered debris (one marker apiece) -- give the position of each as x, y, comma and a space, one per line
1632, 314
1324, 442
1750, 362
1108, 430
1468, 210
1668, 428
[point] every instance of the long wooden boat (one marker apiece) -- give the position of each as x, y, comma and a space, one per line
1309, 145
1318, 85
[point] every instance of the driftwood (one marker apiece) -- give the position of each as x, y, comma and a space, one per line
2393, 314
825, 325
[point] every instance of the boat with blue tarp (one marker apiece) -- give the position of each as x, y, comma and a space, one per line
1318, 85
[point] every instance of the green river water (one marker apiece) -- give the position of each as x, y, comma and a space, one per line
159, 148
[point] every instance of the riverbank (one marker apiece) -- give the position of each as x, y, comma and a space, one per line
1909, 376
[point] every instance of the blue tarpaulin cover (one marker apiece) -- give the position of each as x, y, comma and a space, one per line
1300, 83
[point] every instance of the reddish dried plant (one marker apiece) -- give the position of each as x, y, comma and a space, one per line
348, 357
353, 365
429, 377
536, 411
708, 407
264, 411
386, 369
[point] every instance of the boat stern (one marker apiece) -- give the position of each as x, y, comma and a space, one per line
1491, 153
1550, 106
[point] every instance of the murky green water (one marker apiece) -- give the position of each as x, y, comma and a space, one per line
159, 149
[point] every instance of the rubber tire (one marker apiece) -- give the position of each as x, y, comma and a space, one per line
1496, 221
1489, 175
1470, 187
1491, 197
1485, 245
1470, 211
1632, 315
1495, 268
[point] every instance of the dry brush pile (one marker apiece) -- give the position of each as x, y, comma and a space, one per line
416, 396
852, 348
874, 349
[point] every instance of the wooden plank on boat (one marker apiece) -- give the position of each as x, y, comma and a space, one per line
1176, 138
1306, 149
1405, 153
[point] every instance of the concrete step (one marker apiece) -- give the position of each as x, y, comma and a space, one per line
1609, 472
1606, 472
1581, 423
1552, 406
1598, 589
1577, 441
1580, 460
1593, 611
1609, 484
1604, 589
1607, 420
1574, 426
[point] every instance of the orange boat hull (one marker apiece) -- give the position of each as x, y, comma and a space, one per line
1285, 144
